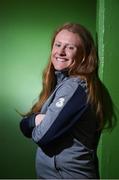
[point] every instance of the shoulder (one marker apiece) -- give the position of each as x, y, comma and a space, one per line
72, 85
76, 82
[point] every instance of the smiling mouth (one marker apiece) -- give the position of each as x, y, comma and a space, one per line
61, 59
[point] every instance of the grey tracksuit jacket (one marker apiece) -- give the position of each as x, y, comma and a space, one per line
67, 137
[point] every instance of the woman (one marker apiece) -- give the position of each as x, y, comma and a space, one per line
67, 120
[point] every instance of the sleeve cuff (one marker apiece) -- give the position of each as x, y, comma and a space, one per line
27, 124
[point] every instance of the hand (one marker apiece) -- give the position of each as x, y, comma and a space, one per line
39, 118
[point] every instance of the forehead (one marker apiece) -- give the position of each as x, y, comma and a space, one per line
65, 36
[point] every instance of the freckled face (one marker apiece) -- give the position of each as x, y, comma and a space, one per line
65, 49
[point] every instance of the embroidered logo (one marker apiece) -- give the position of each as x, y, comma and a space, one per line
60, 102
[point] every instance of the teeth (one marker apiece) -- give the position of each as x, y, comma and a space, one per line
61, 59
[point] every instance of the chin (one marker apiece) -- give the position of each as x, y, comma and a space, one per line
59, 68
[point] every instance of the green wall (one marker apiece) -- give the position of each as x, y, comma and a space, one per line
108, 29
26, 27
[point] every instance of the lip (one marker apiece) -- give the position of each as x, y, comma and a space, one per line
59, 59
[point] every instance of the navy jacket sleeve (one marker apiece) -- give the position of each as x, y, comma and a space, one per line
27, 124
66, 109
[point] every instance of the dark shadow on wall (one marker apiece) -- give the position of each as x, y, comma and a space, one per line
109, 109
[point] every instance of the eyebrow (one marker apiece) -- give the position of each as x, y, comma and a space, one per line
66, 43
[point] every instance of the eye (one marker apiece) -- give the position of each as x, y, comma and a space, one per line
57, 44
70, 47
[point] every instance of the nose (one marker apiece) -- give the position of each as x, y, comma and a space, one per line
61, 51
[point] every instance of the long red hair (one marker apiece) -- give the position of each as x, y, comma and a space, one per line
85, 66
